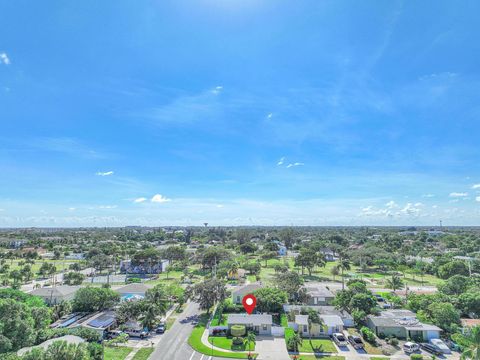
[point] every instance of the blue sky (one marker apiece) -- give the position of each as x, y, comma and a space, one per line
239, 112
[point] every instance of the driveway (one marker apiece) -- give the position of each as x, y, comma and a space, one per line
271, 348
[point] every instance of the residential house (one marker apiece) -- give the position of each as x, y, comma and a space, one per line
402, 324
133, 291
282, 250
126, 266
101, 322
347, 319
57, 294
261, 324
239, 293
319, 294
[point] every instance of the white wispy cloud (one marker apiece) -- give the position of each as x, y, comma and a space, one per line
477, 198
269, 116
281, 161
159, 199
458, 194
107, 207
72, 209
106, 173
140, 200
476, 186
295, 164
391, 204
411, 209
217, 90
428, 195
4, 59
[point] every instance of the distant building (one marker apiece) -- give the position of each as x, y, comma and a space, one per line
403, 324
57, 294
239, 293
75, 256
282, 250
319, 294
126, 266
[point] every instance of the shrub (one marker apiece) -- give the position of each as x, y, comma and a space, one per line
237, 341
368, 335
237, 330
416, 357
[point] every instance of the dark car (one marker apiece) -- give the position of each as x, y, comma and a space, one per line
356, 341
431, 349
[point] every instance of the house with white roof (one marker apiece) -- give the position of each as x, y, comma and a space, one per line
403, 324
261, 324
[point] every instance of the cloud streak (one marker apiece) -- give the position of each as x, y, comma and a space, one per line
106, 173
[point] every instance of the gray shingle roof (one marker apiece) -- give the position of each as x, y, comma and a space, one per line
61, 290
245, 319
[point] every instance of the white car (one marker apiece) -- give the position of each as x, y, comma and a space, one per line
340, 339
441, 346
410, 347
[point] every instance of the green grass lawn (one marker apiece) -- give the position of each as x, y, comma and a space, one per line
195, 341
143, 354
315, 357
59, 264
324, 274
226, 343
116, 353
317, 345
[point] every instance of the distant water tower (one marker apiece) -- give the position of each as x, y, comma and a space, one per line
205, 224
440, 224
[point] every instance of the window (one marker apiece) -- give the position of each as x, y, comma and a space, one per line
264, 327
305, 328
238, 298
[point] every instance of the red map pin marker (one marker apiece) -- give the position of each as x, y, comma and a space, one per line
249, 302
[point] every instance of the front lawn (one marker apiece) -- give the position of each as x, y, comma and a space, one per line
227, 344
317, 346
143, 354
116, 353
195, 341
315, 357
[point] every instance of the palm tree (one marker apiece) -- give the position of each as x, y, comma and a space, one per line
233, 268
334, 271
321, 262
473, 350
295, 341
395, 283
250, 338
344, 264
149, 316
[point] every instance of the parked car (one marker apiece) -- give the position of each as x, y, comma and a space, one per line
431, 349
441, 346
340, 339
112, 334
160, 328
453, 346
410, 347
386, 305
379, 298
356, 341
142, 334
